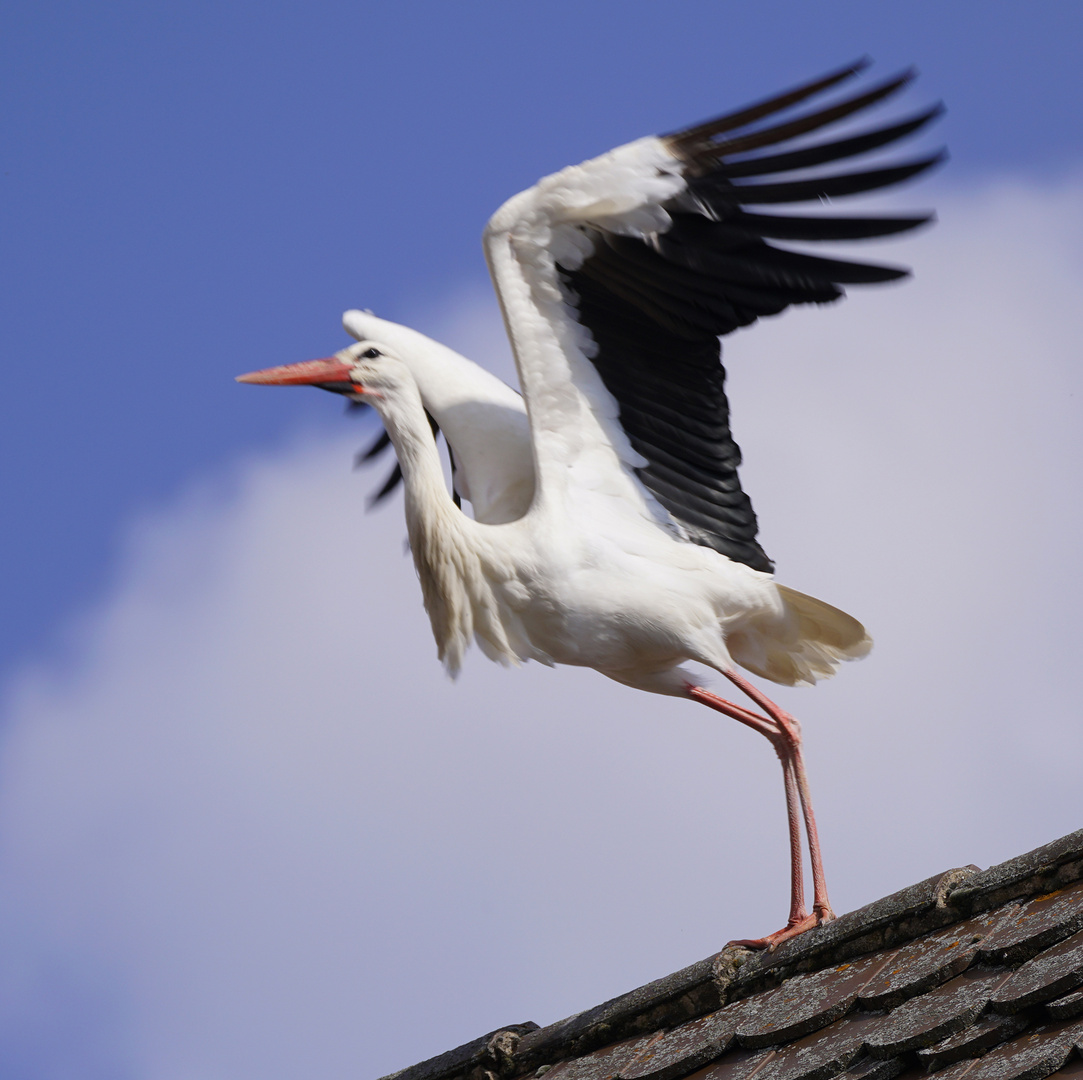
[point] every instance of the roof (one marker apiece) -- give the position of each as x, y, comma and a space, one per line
971, 973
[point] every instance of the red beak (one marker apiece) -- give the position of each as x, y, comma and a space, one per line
310, 373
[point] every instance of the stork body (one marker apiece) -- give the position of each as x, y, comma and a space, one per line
610, 529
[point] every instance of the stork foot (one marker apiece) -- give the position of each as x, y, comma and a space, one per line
791, 929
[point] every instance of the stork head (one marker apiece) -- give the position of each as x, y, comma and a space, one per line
360, 372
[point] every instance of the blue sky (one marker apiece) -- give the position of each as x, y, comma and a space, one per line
240, 807
194, 190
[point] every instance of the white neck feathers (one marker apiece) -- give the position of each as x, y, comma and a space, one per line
459, 573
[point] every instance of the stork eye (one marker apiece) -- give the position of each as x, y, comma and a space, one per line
371, 354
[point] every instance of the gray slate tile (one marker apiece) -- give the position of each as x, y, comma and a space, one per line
689, 1046
736, 1065
1072, 1071
1039, 871
941, 1012
823, 1054
928, 961
1035, 926
474, 1054
1029, 1057
988, 1031
602, 1064
867, 1068
1066, 1007
1050, 975
806, 1003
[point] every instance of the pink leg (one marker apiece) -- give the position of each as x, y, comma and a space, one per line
821, 906
785, 735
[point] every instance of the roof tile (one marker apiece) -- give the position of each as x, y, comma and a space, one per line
1035, 926
602, 1064
480, 1053
1039, 871
944, 1011
740, 1065
807, 1003
1066, 1007
1029, 1057
1051, 974
989, 1031
689, 1046
1071, 1071
822, 1054
867, 1068
684, 995
928, 961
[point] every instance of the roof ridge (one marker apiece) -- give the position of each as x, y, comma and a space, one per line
735, 973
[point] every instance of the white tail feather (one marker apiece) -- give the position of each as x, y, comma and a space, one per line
813, 640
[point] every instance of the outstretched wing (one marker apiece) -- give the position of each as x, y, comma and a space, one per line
655, 303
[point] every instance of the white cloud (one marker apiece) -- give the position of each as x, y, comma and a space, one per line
247, 829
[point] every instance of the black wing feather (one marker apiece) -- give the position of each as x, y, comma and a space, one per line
804, 124
831, 151
657, 307
363, 457
775, 227
751, 113
826, 187
393, 480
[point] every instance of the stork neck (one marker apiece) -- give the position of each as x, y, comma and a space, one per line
408, 428
444, 542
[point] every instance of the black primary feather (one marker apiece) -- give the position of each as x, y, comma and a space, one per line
363, 457
657, 307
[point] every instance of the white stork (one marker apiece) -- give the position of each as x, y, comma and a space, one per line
609, 527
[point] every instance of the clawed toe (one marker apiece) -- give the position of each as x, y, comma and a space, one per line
791, 929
